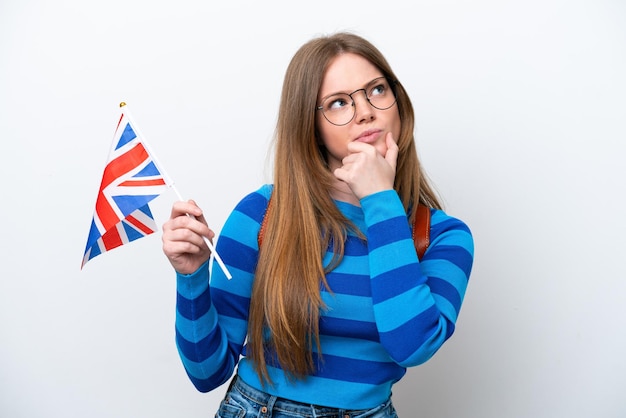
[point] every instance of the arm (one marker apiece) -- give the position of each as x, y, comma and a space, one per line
208, 356
416, 303
211, 319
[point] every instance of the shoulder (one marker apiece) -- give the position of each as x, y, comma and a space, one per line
447, 230
239, 233
254, 204
439, 219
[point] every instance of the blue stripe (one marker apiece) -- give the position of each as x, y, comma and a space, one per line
453, 275
358, 265
446, 290
131, 232
95, 251
127, 136
200, 350
355, 370
191, 330
92, 238
382, 205
397, 254
356, 308
446, 308
350, 284
206, 385
206, 367
460, 256
355, 246
233, 325
347, 328
415, 334
395, 282
243, 221
148, 171
438, 227
193, 309
355, 349
237, 254
229, 304
146, 210
386, 232
240, 285
130, 203
253, 206
403, 308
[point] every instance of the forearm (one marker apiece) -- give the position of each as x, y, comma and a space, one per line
416, 303
207, 355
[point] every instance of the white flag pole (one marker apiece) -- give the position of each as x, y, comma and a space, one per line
171, 184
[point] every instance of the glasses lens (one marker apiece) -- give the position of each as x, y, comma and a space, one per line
380, 94
338, 108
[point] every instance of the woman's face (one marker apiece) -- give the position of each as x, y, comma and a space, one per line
346, 74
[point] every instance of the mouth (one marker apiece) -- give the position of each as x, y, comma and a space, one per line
370, 136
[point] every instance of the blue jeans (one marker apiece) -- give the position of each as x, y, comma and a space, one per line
244, 401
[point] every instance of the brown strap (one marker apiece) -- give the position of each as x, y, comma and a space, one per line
421, 228
264, 223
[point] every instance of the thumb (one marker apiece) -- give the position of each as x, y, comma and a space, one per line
392, 151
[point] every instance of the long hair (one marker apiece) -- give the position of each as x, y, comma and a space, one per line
304, 220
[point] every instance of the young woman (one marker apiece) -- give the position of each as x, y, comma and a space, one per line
326, 311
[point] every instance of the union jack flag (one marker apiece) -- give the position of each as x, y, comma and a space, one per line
131, 179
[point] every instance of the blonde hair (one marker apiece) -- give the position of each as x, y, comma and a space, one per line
304, 220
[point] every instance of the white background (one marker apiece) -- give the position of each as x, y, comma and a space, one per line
520, 108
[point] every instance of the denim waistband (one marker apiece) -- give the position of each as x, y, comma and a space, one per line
270, 405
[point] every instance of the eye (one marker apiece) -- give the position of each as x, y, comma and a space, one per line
379, 89
337, 102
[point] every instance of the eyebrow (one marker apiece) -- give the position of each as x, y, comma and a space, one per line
346, 91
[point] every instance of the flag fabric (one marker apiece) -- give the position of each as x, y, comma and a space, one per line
131, 179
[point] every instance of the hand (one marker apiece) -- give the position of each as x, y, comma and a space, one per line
366, 171
183, 241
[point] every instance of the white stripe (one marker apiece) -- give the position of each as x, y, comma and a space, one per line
122, 232
145, 219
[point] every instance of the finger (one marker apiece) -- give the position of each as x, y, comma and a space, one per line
197, 225
344, 175
357, 146
185, 236
185, 208
392, 151
184, 241
199, 216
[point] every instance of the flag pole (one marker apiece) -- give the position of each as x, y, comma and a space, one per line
171, 184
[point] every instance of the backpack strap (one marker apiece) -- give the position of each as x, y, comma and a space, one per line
421, 228
264, 222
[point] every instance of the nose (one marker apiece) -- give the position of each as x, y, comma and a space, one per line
363, 110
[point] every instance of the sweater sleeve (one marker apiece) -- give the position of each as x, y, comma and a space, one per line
416, 302
212, 311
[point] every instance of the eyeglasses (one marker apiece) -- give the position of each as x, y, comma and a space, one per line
339, 109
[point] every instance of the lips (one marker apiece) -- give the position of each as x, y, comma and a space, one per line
370, 136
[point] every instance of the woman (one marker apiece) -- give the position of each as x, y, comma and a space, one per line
324, 314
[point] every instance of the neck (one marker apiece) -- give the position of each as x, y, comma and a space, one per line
342, 192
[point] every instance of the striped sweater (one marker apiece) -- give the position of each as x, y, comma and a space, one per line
387, 310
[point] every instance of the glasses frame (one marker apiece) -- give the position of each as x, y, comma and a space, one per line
391, 83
